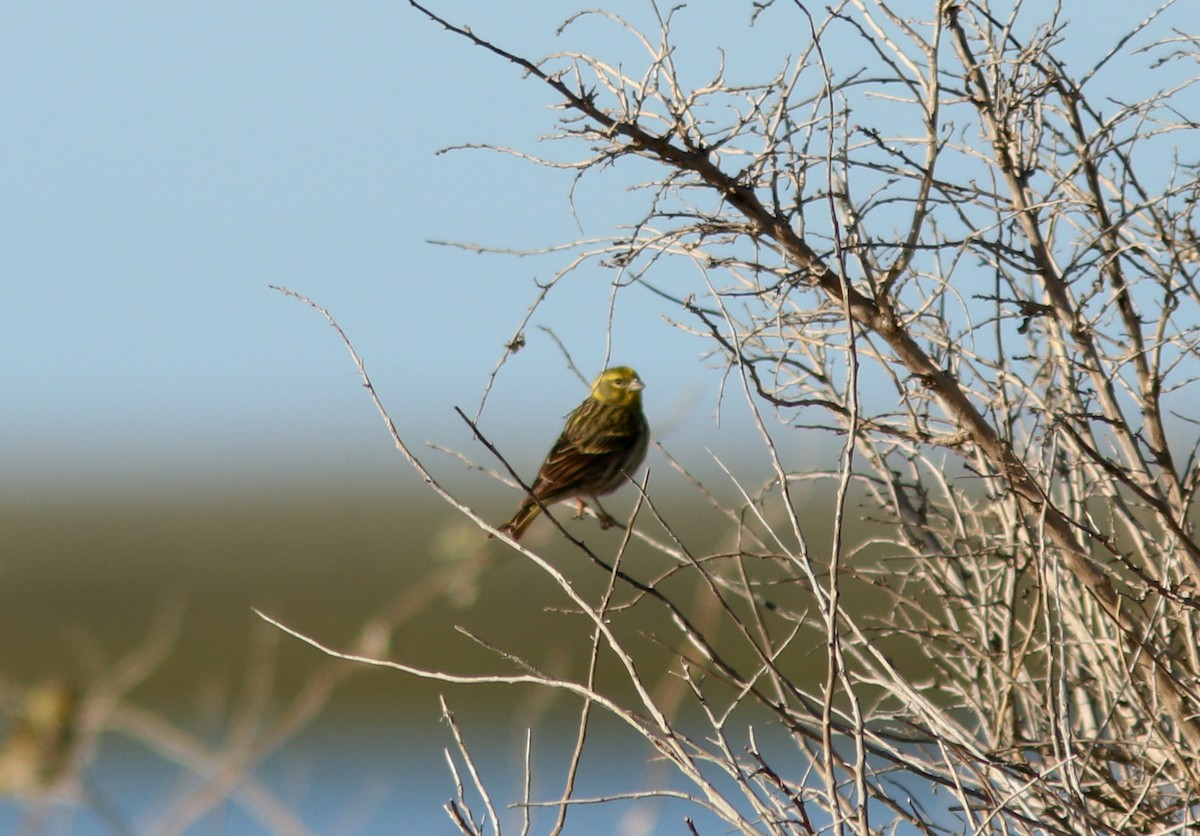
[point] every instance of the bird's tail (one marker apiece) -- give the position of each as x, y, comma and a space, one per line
521, 520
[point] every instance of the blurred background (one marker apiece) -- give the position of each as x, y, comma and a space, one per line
182, 444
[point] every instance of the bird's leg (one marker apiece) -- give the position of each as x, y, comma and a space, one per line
579, 510
607, 520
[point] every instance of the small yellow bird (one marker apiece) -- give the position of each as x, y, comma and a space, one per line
603, 443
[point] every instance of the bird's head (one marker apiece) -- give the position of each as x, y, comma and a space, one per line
618, 386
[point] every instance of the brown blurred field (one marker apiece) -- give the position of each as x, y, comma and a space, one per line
83, 577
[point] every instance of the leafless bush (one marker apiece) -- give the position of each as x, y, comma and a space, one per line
1003, 255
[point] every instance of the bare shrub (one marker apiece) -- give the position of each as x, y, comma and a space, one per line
1002, 254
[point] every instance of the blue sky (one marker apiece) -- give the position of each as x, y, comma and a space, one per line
163, 163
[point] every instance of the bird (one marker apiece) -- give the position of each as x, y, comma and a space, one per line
603, 443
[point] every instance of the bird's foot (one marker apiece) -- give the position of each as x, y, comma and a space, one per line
606, 519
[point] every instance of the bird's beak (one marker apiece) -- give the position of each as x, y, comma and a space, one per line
636, 385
